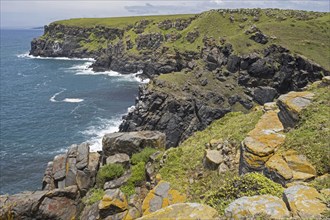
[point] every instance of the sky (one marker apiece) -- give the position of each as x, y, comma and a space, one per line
30, 13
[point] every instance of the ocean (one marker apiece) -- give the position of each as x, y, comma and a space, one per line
48, 104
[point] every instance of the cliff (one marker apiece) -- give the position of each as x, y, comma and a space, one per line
214, 63
237, 92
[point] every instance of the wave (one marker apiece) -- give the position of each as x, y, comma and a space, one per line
27, 55
70, 100
96, 132
52, 99
84, 69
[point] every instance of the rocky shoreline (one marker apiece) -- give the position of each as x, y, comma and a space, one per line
188, 91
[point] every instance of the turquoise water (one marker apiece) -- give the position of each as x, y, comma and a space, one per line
49, 104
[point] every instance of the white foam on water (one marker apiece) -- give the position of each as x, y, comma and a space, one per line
52, 99
96, 132
27, 55
72, 100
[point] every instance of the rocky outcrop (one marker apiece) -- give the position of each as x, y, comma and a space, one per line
291, 105
304, 202
54, 204
187, 211
161, 196
261, 143
132, 142
78, 167
264, 206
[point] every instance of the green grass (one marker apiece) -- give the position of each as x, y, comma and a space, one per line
116, 22
302, 32
233, 187
137, 177
142, 156
108, 172
183, 162
312, 135
93, 195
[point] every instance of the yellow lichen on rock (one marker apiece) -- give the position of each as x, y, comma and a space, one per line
183, 211
113, 198
161, 196
277, 164
296, 101
304, 201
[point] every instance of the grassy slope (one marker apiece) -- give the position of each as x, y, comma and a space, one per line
309, 37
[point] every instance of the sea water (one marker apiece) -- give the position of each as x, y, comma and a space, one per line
48, 104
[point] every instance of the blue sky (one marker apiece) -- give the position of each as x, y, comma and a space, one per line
29, 13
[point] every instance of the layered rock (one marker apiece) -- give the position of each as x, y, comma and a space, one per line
261, 143
77, 167
291, 105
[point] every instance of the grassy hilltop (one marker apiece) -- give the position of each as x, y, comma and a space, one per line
305, 33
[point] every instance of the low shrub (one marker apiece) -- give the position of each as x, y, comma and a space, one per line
109, 172
236, 187
137, 177
142, 156
93, 195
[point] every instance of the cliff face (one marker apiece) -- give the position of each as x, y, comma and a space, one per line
202, 66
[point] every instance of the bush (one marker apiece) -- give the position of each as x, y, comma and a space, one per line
94, 195
109, 172
236, 187
142, 156
137, 177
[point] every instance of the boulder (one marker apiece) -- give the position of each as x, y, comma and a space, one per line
161, 196
48, 180
304, 202
291, 104
113, 202
122, 159
54, 204
90, 212
182, 211
59, 167
250, 207
212, 159
116, 183
264, 94
132, 142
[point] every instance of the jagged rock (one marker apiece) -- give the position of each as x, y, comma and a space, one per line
233, 64
291, 105
122, 159
259, 37
90, 212
187, 211
48, 180
261, 142
192, 36
113, 202
264, 94
116, 183
149, 41
59, 166
251, 207
132, 142
117, 216
82, 156
270, 106
212, 159
161, 196
304, 202
55, 204
326, 80
223, 168
135, 209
